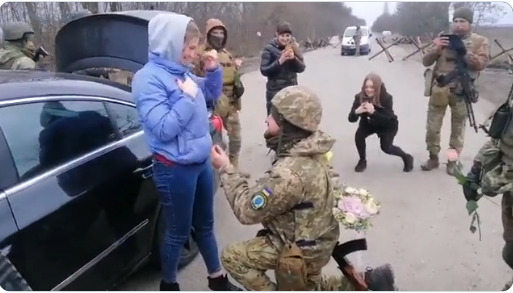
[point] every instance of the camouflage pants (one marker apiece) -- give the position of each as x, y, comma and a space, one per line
438, 103
231, 123
247, 262
357, 48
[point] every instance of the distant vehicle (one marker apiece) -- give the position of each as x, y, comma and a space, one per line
387, 33
348, 46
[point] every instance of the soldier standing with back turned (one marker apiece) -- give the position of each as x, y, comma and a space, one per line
229, 104
18, 51
444, 58
492, 171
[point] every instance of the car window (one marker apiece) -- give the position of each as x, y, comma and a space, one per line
125, 117
351, 31
44, 135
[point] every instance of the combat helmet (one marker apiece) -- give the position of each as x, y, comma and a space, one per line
78, 14
299, 106
14, 31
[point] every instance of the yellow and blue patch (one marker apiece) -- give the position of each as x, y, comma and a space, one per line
260, 199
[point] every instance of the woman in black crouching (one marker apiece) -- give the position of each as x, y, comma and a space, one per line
373, 105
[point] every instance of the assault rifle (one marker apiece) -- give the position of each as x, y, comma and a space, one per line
339, 254
469, 93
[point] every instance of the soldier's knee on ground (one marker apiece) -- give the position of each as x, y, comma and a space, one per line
507, 254
229, 257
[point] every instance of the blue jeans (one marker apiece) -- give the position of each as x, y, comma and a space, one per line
187, 198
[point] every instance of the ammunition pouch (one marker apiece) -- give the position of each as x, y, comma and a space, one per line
440, 96
500, 121
223, 106
291, 272
238, 89
428, 82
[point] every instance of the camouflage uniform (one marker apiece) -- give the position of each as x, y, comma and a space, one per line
228, 105
18, 51
478, 52
293, 200
357, 39
495, 165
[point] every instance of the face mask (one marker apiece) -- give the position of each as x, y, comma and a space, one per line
29, 49
216, 41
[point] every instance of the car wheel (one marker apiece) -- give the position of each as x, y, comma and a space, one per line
10, 278
189, 251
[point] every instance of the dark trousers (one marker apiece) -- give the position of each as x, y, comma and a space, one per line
386, 139
187, 198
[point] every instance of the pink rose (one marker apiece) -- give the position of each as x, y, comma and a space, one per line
353, 205
452, 155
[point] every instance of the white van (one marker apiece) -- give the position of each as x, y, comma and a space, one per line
348, 46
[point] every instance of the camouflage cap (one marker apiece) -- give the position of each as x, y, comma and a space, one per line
299, 106
14, 31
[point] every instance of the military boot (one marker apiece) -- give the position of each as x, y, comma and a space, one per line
431, 164
380, 278
450, 168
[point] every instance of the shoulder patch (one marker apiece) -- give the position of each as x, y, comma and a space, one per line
260, 199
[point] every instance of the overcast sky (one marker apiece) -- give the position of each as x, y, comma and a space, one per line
371, 10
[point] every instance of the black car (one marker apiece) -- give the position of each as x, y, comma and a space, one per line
78, 207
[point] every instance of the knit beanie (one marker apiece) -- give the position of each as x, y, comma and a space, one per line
283, 28
465, 13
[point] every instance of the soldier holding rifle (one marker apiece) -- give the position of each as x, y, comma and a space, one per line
450, 83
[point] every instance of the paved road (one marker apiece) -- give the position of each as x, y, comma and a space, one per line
423, 229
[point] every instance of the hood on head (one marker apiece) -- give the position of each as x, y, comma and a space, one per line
316, 144
213, 23
166, 35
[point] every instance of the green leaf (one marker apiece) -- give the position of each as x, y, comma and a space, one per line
471, 206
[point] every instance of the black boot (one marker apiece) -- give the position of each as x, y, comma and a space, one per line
361, 166
165, 286
408, 163
380, 278
222, 283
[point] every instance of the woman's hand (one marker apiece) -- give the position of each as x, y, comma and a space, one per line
210, 60
360, 109
188, 86
220, 159
369, 108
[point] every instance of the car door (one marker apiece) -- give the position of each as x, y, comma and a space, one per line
74, 226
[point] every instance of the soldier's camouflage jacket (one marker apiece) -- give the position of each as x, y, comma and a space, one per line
294, 200
477, 57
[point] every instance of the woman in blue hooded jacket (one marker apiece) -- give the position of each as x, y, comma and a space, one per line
172, 107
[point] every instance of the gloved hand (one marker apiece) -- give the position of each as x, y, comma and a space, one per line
471, 186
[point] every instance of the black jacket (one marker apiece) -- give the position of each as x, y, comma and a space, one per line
382, 119
279, 76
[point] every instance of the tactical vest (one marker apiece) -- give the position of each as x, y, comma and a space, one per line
229, 71
447, 61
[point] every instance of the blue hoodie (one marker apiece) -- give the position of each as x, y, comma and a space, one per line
176, 125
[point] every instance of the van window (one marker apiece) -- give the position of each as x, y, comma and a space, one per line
351, 31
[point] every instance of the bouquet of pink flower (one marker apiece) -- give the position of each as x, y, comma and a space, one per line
354, 208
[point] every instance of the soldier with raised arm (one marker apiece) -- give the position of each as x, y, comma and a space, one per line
444, 59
